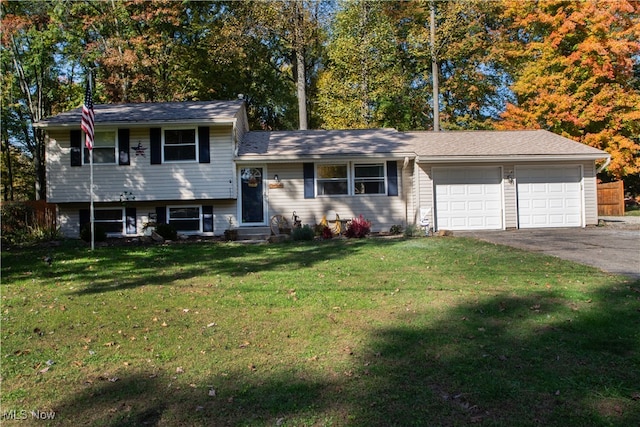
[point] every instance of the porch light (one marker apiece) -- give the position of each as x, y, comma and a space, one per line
276, 178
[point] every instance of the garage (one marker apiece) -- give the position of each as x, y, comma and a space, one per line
468, 198
549, 196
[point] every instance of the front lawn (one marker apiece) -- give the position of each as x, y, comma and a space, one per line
373, 332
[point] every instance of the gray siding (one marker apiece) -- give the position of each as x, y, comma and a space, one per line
169, 181
383, 211
425, 198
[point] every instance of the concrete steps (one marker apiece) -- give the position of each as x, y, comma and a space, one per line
254, 233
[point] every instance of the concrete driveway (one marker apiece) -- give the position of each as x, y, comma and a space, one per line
614, 247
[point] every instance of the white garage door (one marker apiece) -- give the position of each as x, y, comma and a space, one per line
549, 196
468, 198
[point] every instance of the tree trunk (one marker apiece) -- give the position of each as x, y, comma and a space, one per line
301, 82
8, 190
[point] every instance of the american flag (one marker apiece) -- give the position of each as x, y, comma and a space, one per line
87, 116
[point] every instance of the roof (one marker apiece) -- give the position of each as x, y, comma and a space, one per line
444, 146
150, 112
292, 145
459, 145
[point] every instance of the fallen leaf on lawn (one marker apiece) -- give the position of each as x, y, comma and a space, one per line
164, 324
110, 344
212, 392
244, 344
179, 370
635, 396
212, 324
42, 371
185, 310
253, 367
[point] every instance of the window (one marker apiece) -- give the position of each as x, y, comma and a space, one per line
104, 148
369, 179
332, 179
185, 218
180, 145
111, 220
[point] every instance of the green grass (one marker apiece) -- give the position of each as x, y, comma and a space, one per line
429, 331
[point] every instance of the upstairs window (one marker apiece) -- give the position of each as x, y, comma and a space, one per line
104, 148
180, 145
332, 179
369, 179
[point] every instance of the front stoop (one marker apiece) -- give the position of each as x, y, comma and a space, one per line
254, 233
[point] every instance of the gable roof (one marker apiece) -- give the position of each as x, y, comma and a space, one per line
493, 145
313, 144
151, 113
444, 146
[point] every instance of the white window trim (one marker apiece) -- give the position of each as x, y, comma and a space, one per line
316, 178
116, 148
384, 178
351, 179
123, 220
197, 143
190, 232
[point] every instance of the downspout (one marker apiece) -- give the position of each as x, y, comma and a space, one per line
405, 191
606, 163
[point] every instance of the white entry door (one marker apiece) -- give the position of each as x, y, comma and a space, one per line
549, 196
468, 198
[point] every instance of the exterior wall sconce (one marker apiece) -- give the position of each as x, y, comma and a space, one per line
510, 177
276, 178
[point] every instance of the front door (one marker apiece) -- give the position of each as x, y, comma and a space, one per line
252, 195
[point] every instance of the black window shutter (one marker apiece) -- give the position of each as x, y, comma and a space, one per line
161, 215
308, 174
155, 141
123, 147
75, 138
130, 226
203, 144
85, 217
392, 178
207, 219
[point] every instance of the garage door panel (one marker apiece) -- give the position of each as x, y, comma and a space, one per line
468, 198
549, 196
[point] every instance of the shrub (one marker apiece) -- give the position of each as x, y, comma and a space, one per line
396, 229
167, 231
358, 227
99, 236
303, 233
413, 230
327, 233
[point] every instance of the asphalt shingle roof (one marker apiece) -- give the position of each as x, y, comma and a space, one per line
291, 144
426, 145
150, 112
497, 143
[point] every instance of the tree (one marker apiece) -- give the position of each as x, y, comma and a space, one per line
30, 40
362, 72
572, 65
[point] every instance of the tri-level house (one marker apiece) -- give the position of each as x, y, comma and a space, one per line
197, 166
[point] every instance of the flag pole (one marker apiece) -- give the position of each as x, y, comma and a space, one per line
87, 125
91, 211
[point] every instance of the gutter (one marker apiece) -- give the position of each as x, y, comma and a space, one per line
504, 158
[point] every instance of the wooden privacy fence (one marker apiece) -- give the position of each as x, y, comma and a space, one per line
611, 199
35, 213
